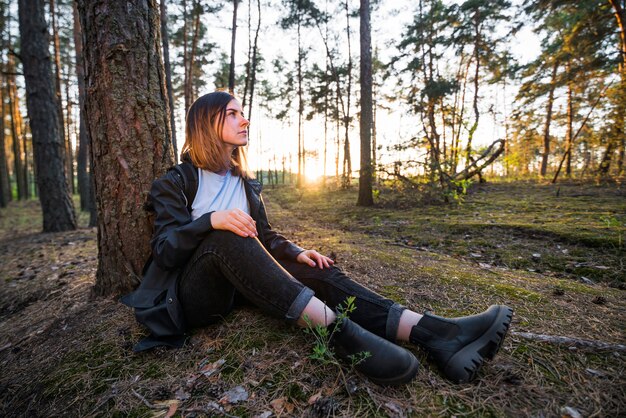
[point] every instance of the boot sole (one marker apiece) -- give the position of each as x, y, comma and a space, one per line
465, 363
406, 377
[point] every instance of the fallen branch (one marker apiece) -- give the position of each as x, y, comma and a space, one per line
569, 341
473, 169
399, 176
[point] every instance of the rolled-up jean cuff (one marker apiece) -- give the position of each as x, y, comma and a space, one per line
299, 303
393, 321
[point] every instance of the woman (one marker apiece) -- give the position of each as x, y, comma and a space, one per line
220, 245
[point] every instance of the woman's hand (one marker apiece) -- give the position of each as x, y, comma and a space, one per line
313, 258
234, 220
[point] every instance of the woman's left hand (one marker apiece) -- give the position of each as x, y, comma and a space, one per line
313, 258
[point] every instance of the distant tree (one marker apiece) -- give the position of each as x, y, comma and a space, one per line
20, 166
366, 120
56, 47
56, 202
231, 73
254, 59
84, 176
572, 70
128, 121
5, 190
296, 17
194, 50
168, 70
617, 140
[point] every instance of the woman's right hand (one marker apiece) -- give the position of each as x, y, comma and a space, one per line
235, 221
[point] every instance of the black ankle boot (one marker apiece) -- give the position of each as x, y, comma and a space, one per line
458, 346
387, 363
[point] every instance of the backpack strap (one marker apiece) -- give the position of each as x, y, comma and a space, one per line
189, 175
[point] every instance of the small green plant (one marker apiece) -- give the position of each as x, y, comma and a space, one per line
613, 223
457, 190
322, 350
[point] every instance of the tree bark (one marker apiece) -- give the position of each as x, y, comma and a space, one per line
83, 146
16, 131
5, 191
56, 202
57, 91
347, 160
168, 72
301, 150
231, 72
365, 173
618, 124
546, 131
128, 121
570, 129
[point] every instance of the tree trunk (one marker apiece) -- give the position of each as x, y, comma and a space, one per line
168, 72
470, 136
546, 131
231, 72
25, 165
186, 75
365, 173
570, 130
83, 145
56, 202
301, 151
618, 124
128, 121
255, 50
68, 124
5, 191
16, 131
347, 160
57, 91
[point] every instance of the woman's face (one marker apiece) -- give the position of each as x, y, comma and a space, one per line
235, 129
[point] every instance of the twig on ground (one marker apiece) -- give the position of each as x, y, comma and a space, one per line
147, 402
576, 342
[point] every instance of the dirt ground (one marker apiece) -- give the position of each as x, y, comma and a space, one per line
556, 258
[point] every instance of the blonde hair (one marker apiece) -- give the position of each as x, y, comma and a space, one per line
203, 141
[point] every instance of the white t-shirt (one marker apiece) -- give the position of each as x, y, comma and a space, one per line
217, 192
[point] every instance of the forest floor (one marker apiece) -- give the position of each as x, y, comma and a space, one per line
557, 256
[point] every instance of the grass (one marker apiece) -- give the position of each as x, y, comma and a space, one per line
66, 354
516, 226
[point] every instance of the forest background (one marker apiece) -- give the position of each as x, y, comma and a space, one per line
435, 98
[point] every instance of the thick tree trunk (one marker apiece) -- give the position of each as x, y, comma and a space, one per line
231, 72
128, 121
56, 202
546, 131
365, 173
168, 71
